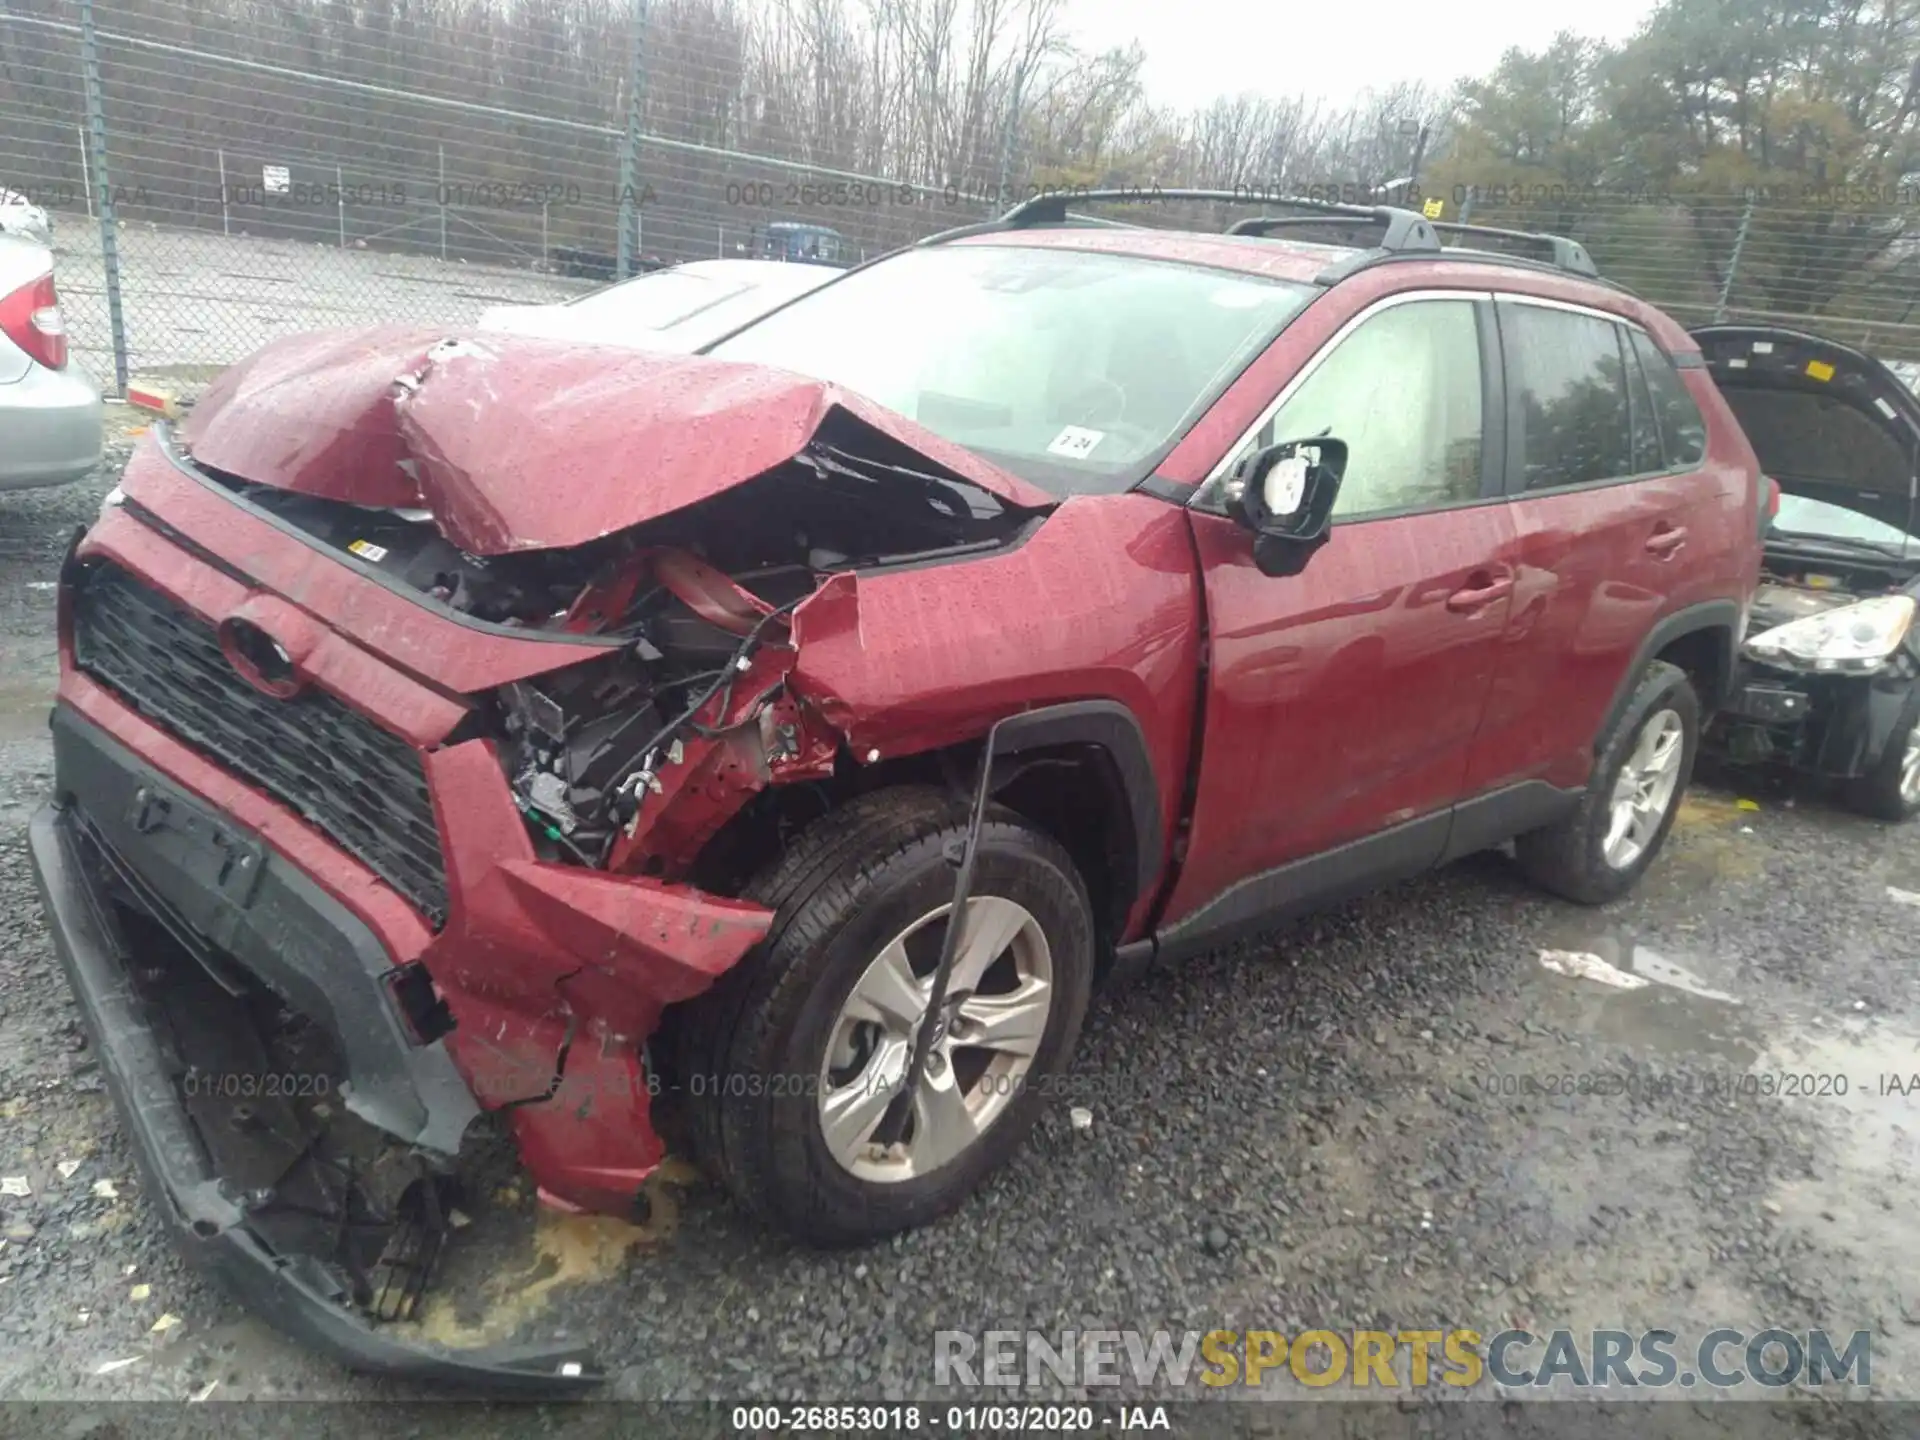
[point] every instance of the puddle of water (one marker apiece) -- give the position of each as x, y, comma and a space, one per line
1867, 1076
1861, 1081
1683, 1004
1661, 970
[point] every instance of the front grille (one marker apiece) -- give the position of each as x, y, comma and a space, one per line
359, 783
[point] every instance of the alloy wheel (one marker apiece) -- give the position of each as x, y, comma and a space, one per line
1644, 790
999, 999
1910, 769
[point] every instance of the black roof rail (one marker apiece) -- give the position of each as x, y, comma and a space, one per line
1052, 209
1562, 253
1404, 230
1366, 259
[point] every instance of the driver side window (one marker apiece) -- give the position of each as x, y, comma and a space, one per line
1403, 391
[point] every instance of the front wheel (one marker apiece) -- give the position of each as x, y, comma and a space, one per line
795, 1056
1640, 772
1891, 790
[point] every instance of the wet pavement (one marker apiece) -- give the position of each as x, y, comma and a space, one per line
1395, 1115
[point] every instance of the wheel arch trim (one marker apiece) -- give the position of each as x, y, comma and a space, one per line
1108, 726
1708, 617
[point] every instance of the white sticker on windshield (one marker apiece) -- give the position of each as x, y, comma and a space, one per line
1880, 404
1763, 347
1075, 443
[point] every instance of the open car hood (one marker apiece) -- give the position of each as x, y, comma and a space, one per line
1827, 421
517, 442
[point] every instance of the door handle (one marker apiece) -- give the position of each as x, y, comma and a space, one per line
1477, 596
1666, 539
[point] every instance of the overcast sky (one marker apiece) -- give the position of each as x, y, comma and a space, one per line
1198, 49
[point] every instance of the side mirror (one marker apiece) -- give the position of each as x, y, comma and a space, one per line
1285, 497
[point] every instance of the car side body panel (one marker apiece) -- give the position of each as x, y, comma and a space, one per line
1343, 700
1598, 569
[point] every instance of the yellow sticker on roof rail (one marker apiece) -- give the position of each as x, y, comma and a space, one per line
1819, 369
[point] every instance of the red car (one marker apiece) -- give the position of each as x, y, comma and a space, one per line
490, 724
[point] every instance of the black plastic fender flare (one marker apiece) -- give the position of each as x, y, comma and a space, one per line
1722, 615
1105, 725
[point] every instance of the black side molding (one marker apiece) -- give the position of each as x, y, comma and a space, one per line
1305, 884
1315, 881
1493, 819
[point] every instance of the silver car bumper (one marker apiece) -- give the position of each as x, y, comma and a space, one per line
50, 427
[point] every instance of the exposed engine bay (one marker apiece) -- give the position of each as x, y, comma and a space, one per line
1792, 589
700, 598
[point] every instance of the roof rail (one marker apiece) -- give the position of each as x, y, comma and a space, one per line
1561, 252
1405, 232
1404, 229
1052, 209
1351, 265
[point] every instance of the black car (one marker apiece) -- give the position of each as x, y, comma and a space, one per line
1827, 681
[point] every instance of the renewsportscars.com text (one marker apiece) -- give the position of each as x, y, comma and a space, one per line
1721, 1359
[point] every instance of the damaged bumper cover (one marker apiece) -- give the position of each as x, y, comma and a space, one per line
180, 903
1832, 726
210, 1215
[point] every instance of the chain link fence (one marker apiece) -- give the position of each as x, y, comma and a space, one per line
1844, 263
221, 173
220, 177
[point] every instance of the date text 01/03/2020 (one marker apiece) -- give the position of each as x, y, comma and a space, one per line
955, 1419
1705, 1084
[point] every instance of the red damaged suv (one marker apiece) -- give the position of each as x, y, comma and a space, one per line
477, 723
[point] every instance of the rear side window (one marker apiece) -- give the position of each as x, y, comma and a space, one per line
1572, 418
1647, 454
1683, 433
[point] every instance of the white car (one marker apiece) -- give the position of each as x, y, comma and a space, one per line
50, 416
679, 309
20, 216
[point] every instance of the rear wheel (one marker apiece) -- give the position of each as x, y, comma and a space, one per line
1639, 774
1891, 790
794, 1056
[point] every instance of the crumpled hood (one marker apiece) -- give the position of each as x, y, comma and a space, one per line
517, 442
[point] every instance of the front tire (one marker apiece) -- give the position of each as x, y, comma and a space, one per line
1891, 790
1640, 772
793, 1056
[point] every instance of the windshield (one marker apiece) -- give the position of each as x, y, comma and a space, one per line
1816, 519
1075, 371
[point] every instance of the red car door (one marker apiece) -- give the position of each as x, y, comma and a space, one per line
1607, 494
1342, 702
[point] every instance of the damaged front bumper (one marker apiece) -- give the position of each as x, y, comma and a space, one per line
1832, 726
320, 1238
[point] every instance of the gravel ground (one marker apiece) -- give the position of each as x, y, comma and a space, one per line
1301, 1132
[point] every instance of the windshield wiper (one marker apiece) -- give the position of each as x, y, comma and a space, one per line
1843, 542
956, 500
